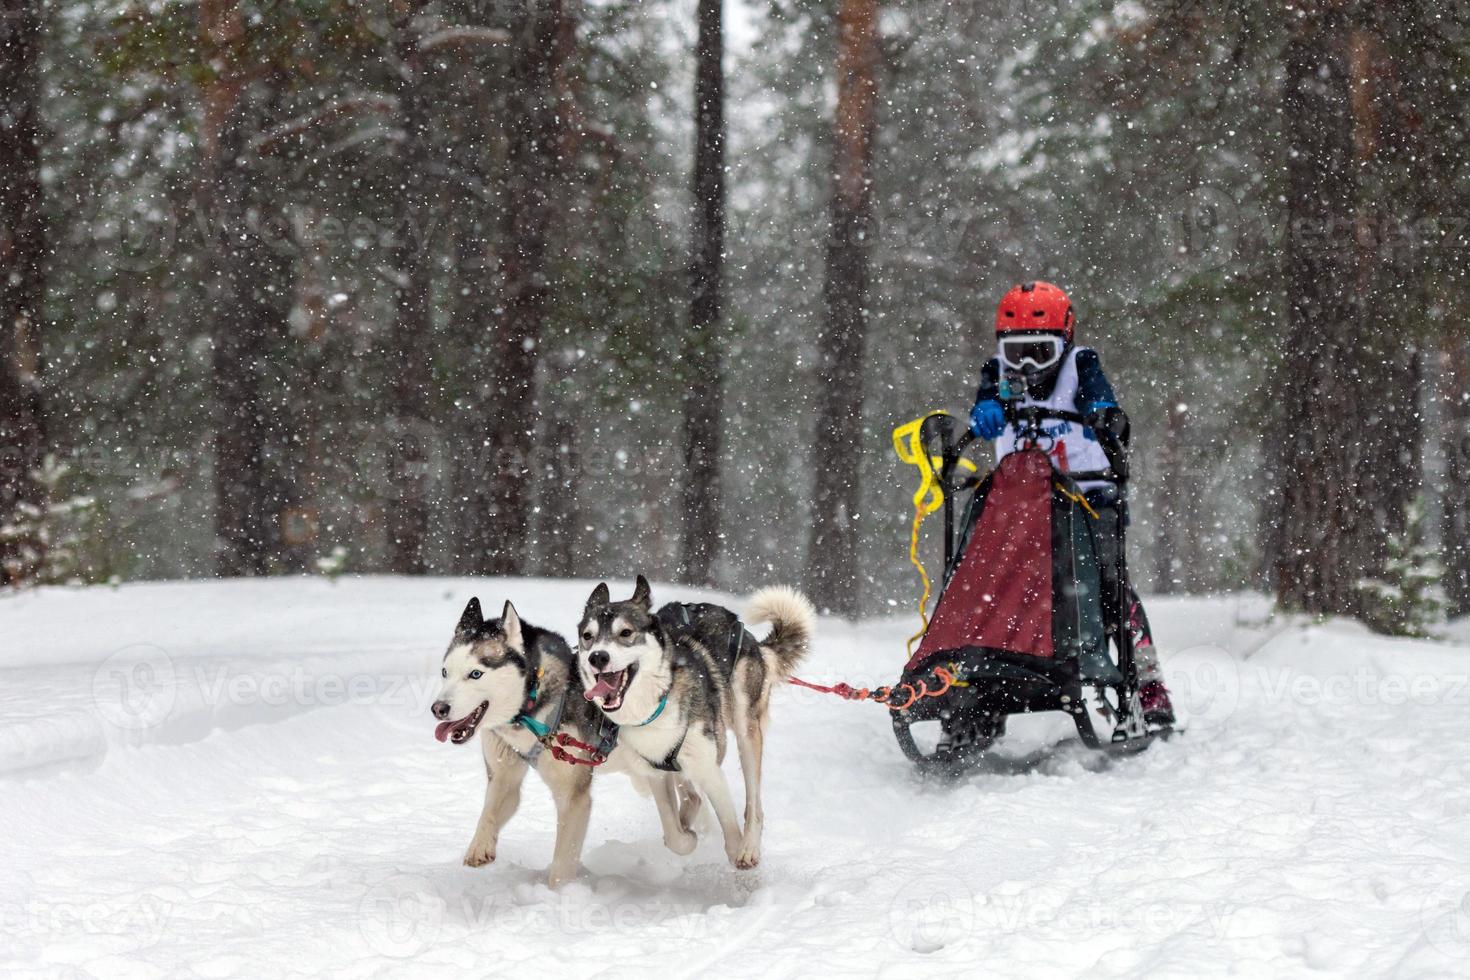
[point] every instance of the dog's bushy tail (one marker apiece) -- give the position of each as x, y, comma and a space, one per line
793, 622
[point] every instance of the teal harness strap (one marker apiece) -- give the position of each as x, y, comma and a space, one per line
533, 726
671, 761
537, 728
525, 713
656, 712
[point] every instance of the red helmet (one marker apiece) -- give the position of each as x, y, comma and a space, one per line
1035, 307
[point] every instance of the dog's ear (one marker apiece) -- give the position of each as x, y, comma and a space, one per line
510, 625
598, 600
643, 593
470, 620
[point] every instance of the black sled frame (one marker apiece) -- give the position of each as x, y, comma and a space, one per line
993, 684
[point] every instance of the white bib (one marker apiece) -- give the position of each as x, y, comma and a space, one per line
1073, 447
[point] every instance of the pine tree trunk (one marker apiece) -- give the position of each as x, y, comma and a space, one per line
560, 531
473, 131
541, 50
22, 291
411, 430
1320, 463
1394, 299
301, 443
1455, 489
248, 298
1167, 557
475, 303
832, 561
703, 353
1353, 433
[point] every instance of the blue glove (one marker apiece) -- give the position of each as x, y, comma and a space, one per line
987, 419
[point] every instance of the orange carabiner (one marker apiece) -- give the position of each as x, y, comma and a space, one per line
913, 696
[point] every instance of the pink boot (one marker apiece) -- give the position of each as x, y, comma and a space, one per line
1157, 711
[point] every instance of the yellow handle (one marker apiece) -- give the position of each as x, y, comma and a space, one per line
908, 443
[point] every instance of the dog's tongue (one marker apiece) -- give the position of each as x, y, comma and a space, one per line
602, 688
442, 730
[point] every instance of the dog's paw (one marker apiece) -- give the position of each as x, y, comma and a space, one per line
556, 877
749, 856
479, 854
682, 844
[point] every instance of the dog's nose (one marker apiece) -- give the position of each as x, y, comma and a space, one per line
440, 709
598, 659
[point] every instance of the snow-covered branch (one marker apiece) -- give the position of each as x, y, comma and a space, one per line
371, 102
462, 37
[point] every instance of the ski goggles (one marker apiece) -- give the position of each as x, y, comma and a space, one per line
1039, 351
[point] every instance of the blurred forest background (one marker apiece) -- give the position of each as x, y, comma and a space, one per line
590, 287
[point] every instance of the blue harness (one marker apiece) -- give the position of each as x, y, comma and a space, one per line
539, 729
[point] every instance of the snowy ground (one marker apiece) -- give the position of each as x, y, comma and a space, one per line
240, 779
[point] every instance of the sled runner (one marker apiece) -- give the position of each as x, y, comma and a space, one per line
1021, 624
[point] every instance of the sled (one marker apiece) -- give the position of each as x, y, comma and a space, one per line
1020, 625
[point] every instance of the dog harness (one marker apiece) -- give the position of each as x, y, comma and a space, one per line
607, 739
608, 731
541, 730
607, 735
738, 632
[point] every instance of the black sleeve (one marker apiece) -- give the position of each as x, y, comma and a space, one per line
1093, 390
989, 382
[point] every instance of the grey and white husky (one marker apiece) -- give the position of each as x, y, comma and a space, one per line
511, 681
676, 680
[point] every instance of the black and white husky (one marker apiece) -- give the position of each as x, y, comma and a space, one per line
676, 680
513, 682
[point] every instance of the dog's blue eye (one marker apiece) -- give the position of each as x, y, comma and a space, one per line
476, 674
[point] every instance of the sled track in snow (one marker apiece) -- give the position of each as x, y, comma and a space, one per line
1310, 821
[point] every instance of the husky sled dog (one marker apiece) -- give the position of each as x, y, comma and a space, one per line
675, 681
512, 682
